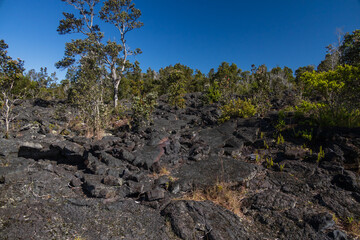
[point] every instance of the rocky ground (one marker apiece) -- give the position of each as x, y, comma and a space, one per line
141, 184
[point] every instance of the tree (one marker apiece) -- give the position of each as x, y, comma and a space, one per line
331, 61
169, 76
350, 48
280, 80
227, 76
149, 80
332, 58
198, 83
88, 80
45, 85
300, 71
261, 80
125, 17
10, 76
111, 55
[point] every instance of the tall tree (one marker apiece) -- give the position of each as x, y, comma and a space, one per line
112, 55
83, 24
333, 54
350, 48
125, 17
331, 61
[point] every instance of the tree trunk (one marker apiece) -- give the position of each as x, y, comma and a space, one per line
116, 82
7, 114
116, 91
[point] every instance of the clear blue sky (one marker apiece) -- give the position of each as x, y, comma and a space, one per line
198, 33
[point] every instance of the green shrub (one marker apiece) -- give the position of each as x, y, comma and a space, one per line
305, 134
177, 92
280, 124
324, 115
237, 108
142, 108
263, 104
337, 93
213, 94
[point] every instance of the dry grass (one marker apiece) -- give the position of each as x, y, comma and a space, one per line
162, 172
348, 225
223, 194
352, 227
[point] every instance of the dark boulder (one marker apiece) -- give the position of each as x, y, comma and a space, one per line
321, 221
205, 220
212, 170
349, 181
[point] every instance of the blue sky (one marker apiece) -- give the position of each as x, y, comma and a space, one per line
198, 33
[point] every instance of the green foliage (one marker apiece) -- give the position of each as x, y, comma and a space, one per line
281, 167
44, 86
280, 126
198, 82
11, 87
262, 135
320, 155
339, 92
307, 109
149, 81
305, 134
280, 81
94, 112
331, 60
269, 163
111, 56
262, 104
257, 158
265, 144
300, 71
213, 93
237, 108
334, 86
280, 140
176, 89
227, 76
350, 48
170, 75
142, 108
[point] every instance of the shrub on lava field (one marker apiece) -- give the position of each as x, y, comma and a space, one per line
142, 108
335, 96
237, 108
213, 94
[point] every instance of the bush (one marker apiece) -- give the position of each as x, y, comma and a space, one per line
176, 94
237, 108
142, 108
337, 94
213, 94
323, 115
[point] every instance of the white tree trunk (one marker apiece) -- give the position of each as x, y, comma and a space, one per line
116, 82
7, 107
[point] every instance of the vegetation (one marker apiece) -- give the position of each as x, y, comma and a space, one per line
10, 84
222, 193
323, 96
237, 108
338, 92
111, 57
320, 155
142, 108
